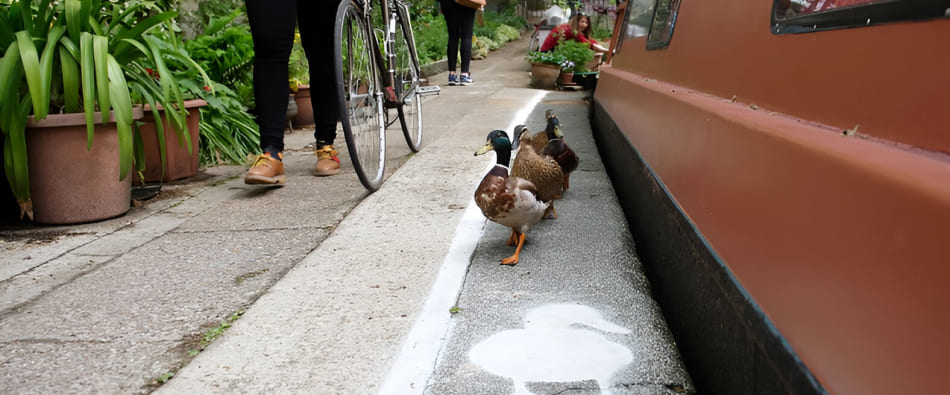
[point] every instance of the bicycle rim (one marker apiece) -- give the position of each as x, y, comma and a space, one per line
406, 72
361, 103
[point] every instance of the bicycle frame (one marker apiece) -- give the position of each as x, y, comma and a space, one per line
385, 56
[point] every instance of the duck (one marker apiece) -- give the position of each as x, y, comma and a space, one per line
560, 342
507, 200
543, 171
558, 149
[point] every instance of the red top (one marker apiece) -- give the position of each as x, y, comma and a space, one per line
564, 31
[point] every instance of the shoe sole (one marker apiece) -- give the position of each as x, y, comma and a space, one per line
260, 180
467, 83
325, 173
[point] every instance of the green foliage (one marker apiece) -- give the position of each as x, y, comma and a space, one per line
601, 33
545, 58
505, 33
226, 52
574, 51
298, 67
228, 132
431, 38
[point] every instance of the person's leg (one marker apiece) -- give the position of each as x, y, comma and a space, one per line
466, 21
316, 20
450, 12
272, 29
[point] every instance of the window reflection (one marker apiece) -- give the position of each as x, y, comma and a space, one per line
639, 17
664, 19
791, 8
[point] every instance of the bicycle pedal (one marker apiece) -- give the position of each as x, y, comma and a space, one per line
428, 90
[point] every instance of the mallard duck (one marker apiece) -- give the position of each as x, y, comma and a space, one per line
558, 149
507, 200
543, 171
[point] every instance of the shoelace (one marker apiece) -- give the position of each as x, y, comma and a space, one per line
261, 160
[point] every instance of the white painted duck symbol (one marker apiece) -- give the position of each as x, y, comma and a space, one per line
551, 349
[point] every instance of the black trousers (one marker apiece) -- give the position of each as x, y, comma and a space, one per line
272, 26
461, 21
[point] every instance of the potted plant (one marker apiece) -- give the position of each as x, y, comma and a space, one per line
545, 68
299, 75
75, 60
567, 72
170, 152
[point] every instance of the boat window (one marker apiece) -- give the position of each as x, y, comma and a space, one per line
803, 16
661, 27
639, 17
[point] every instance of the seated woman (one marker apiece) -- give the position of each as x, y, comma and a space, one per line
577, 29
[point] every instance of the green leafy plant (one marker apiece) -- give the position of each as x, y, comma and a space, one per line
225, 50
298, 67
75, 56
548, 57
576, 52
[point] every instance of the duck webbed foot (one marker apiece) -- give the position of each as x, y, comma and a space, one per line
513, 260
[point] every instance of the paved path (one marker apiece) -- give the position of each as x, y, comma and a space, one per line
342, 292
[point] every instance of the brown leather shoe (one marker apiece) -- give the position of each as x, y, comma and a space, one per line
266, 170
328, 163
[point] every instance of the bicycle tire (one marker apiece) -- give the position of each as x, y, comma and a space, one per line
407, 74
360, 98
535, 44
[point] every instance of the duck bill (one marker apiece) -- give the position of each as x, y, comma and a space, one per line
557, 132
484, 149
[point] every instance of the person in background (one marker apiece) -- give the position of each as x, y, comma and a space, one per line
578, 29
272, 28
460, 21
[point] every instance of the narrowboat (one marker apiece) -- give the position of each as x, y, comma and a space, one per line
785, 169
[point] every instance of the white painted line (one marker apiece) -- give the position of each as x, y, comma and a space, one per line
419, 353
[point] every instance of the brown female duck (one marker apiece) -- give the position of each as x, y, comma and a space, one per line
543, 171
558, 149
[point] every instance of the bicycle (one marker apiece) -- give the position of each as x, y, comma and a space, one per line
374, 80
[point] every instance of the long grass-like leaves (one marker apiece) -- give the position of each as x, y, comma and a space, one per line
46, 66
31, 65
119, 89
100, 45
71, 81
121, 49
87, 68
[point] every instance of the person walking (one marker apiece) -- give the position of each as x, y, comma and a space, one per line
272, 28
460, 21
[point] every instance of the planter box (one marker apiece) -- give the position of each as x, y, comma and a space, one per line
179, 163
69, 184
587, 80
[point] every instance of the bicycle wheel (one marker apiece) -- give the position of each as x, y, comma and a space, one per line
406, 72
361, 102
535, 43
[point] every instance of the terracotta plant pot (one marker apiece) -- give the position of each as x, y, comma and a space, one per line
565, 78
544, 75
179, 163
304, 117
69, 184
